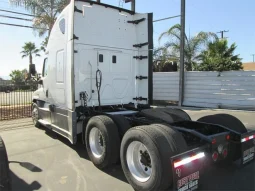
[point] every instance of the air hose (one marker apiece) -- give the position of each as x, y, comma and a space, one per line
98, 85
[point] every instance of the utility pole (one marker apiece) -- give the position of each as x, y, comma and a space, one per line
181, 79
132, 4
253, 56
222, 33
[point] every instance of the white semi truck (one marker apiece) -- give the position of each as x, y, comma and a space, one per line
97, 81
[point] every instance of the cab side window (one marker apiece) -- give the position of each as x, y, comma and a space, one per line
45, 67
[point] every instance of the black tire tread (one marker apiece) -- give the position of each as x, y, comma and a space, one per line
122, 124
4, 168
179, 114
113, 140
157, 136
179, 144
226, 120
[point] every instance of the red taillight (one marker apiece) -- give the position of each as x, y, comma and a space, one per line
225, 153
214, 141
228, 137
215, 156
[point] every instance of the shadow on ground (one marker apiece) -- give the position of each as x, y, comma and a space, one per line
18, 184
114, 171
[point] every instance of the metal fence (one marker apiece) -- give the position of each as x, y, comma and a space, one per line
232, 89
15, 100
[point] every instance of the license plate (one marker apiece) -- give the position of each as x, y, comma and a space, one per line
187, 169
248, 155
189, 182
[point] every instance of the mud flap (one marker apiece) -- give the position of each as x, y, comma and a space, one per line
187, 169
247, 147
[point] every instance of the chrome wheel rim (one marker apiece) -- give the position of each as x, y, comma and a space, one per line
35, 115
96, 142
139, 161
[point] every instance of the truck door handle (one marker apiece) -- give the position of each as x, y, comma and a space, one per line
47, 93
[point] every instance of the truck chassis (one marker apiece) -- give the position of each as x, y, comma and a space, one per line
160, 142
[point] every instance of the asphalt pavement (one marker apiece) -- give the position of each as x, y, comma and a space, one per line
43, 160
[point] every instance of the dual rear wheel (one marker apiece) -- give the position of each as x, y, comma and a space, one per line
144, 151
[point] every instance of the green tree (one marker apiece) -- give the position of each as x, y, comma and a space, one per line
163, 60
29, 49
44, 44
220, 57
45, 12
18, 76
193, 45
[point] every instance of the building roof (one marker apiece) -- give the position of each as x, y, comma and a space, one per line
249, 66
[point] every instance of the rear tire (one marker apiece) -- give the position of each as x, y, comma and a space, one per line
102, 141
160, 147
178, 114
230, 122
226, 120
122, 124
178, 142
5, 181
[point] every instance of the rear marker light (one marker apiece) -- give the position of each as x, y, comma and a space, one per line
213, 141
215, 156
225, 153
228, 137
247, 138
188, 160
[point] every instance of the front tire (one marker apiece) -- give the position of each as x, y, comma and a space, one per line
102, 141
35, 115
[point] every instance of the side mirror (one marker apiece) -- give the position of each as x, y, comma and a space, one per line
40, 82
32, 70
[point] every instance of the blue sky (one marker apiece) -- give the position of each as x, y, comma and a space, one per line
211, 15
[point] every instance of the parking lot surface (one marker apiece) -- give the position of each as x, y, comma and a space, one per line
42, 160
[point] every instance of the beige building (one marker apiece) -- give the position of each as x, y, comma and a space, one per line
249, 66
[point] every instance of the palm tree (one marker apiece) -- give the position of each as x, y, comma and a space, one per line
220, 57
193, 45
29, 49
45, 12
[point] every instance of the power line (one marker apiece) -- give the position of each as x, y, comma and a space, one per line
3, 10
18, 18
24, 26
166, 18
222, 33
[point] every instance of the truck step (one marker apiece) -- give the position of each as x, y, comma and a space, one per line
43, 122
